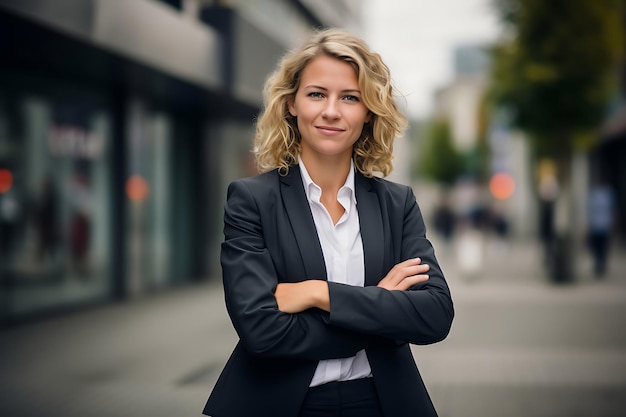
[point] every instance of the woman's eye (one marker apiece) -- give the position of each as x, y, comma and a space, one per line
316, 94
351, 98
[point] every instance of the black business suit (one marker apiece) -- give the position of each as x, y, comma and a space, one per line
270, 237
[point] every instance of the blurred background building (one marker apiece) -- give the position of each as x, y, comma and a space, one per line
121, 122
461, 102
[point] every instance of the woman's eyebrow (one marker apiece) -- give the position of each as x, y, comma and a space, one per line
319, 87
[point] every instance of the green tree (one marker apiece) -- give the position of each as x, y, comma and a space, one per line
555, 72
438, 158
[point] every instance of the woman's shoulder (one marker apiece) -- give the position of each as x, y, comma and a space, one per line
390, 187
260, 184
258, 180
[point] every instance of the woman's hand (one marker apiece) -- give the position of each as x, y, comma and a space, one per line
299, 296
404, 275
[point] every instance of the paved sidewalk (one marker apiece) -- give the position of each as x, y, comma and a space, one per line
519, 347
155, 356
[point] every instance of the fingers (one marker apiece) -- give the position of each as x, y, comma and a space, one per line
408, 282
407, 269
405, 274
411, 267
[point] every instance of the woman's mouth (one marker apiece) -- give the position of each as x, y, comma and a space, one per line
329, 130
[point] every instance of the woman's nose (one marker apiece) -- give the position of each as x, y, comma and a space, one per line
331, 110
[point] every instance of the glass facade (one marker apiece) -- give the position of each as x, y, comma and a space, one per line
55, 225
58, 232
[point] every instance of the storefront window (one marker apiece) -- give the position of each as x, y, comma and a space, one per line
54, 216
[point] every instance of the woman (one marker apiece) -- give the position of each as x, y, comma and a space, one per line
328, 275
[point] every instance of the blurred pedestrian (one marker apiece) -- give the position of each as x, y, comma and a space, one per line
445, 219
470, 248
601, 211
548, 194
46, 221
327, 271
498, 220
498, 241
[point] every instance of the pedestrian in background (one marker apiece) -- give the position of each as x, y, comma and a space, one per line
328, 274
601, 212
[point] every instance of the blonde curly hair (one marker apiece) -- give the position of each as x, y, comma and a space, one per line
277, 138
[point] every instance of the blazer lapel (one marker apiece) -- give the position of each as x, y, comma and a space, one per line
302, 223
371, 223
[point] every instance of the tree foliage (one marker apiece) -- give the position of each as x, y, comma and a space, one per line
439, 160
557, 68
556, 73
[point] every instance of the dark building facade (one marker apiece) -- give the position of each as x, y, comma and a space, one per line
121, 122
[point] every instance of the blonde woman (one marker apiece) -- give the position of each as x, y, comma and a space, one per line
328, 274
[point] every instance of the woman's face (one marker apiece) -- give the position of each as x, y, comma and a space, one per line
329, 108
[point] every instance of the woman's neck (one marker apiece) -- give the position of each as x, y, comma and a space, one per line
328, 174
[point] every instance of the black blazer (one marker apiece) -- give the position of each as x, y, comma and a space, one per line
270, 237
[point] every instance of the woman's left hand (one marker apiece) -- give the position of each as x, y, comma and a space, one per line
295, 297
405, 274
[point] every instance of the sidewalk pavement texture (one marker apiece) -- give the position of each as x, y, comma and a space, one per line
519, 346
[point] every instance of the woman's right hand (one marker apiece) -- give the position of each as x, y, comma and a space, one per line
404, 275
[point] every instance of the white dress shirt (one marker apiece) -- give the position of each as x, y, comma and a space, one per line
343, 255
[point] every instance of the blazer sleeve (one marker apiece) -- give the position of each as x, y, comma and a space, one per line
250, 280
420, 315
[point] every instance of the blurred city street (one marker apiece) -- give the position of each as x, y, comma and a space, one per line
122, 123
520, 346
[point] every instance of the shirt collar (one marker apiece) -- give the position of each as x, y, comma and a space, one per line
310, 186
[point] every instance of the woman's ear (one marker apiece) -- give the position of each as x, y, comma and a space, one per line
368, 118
291, 106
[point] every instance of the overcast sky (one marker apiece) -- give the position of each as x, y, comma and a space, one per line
416, 39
